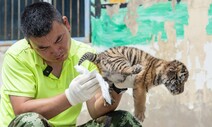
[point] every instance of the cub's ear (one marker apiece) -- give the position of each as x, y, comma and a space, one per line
172, 68
174, 64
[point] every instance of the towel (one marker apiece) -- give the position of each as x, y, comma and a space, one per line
103, 84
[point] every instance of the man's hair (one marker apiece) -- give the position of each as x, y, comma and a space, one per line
37, 19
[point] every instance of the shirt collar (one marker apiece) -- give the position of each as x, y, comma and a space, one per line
73, 49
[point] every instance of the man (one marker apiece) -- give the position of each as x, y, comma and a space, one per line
41, 86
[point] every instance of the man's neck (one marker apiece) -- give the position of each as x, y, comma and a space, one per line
57, 68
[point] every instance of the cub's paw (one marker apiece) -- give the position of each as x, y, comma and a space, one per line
140, 116
137, 69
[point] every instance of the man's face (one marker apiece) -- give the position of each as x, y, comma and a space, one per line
54, 47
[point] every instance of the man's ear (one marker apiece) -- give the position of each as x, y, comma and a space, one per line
66, 23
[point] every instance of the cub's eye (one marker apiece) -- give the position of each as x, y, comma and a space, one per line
171, 74
182, 78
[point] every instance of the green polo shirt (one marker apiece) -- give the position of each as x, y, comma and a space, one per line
22, 75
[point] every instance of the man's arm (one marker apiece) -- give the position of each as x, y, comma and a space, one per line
48, 107
96, 106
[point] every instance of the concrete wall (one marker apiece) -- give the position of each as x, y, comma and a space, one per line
193, 108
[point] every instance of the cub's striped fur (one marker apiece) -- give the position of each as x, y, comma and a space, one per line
115, 64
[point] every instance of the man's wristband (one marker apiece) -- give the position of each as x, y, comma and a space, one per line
118, 90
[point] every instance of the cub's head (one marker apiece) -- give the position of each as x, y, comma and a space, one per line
174, 77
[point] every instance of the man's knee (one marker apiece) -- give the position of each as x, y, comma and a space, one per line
125, 119
114, 119
121, 114
30, 119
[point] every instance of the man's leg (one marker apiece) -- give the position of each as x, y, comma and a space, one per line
30, 119
114, 119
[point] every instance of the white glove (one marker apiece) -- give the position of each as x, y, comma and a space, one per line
128, 83
82, 88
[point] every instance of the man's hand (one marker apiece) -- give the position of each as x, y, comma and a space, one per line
82, 88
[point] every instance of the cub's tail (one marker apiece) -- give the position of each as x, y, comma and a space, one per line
88, 56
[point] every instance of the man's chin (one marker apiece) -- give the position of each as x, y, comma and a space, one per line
62, 58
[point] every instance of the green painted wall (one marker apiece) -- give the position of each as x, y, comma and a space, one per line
111, 32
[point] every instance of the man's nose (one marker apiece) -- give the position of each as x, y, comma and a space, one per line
55, 50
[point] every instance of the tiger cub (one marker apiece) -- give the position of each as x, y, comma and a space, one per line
116, 63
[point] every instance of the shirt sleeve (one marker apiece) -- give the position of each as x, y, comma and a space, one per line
17, 77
